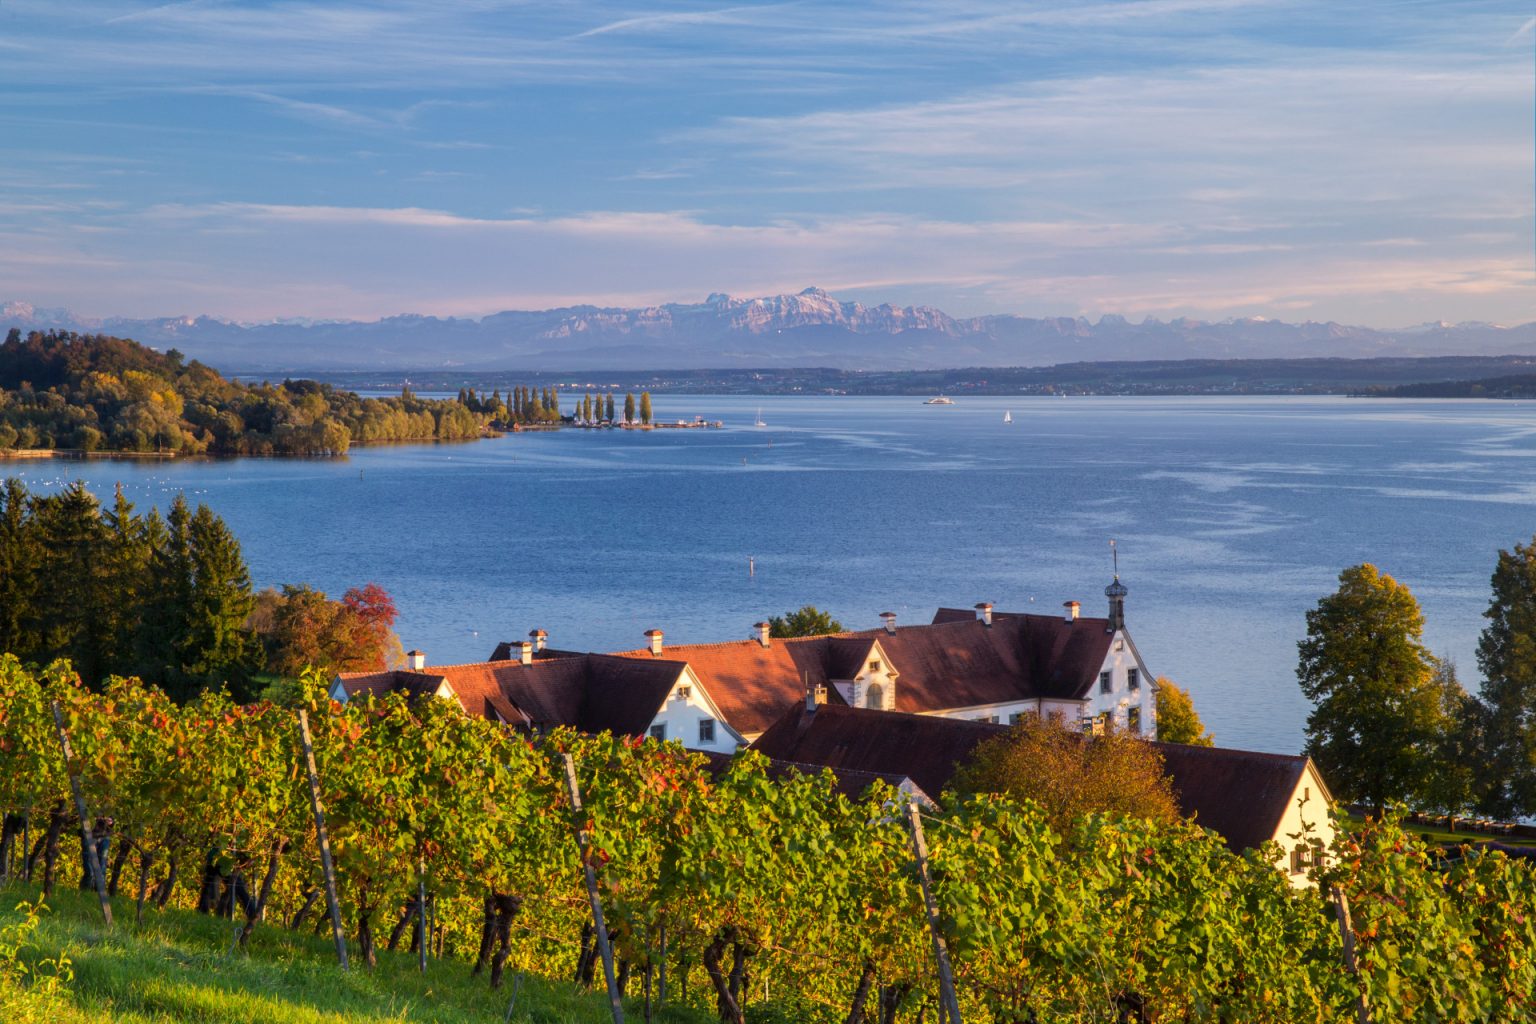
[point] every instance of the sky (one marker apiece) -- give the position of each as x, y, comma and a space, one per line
1368, 162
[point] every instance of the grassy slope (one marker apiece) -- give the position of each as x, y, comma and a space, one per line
178, 968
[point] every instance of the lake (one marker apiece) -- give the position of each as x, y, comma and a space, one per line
1233, 516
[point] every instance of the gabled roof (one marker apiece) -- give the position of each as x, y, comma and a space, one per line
1240, 794
590, 692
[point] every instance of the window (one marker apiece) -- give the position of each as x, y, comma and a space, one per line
1133, 678
991, 719
1299, 859
706, 730
1106, 682
685, 693
874, 666
1015, 718
875, 697
1133, 720
659, 732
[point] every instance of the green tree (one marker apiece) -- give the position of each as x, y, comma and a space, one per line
1069, 774
808, 621
1177, 720
72, 541
1378, 723
1506, 653
158, 642
629, 407
216, 647
608, 407
20, 554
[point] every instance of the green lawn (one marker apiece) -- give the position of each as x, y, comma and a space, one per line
1438, 835
178, 968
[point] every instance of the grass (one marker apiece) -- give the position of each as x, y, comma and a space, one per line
1437, 835
178, 967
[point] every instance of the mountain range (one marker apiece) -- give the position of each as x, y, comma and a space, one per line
810, 328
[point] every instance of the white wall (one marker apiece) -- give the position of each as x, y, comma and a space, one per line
1308, 806
680, 717
1121, 658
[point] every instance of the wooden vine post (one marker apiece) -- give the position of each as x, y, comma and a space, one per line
87, 835
949, 1004
421, 917
325, 844
1347, 939
598, 925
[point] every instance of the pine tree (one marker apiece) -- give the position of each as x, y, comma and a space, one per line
124, 583
645, 407
20, 554
629, 407
160, 638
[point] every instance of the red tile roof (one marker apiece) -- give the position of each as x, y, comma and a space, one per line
953, 662
1242, 795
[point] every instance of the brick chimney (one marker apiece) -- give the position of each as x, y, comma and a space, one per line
763, 629
654, 636
1071, 609
525, 651
539, 638
889, 619
984, 613
415, 660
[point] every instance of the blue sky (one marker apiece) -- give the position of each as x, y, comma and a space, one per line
1365, 162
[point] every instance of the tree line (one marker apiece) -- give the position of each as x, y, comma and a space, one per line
756, 893
1392, 722
168, 598
90, 393
524, 406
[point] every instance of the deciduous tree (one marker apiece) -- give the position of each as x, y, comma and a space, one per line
1069, 774
808, 621
1177, 720
1379, 721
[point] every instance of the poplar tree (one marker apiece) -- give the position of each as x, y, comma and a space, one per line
645, 407
608, 408
629, 407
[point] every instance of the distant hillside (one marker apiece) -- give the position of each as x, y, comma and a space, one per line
811, 328
1521, 385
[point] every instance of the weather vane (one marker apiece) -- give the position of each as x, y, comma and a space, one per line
1114, 553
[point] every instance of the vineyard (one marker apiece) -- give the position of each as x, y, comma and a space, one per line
753, 895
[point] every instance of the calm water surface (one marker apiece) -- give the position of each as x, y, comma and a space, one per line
1233, 517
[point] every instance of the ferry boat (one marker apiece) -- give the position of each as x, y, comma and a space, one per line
939, 400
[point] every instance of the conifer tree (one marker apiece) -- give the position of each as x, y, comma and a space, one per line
216, 647
19, 558
158, 643
72, 539
122, 586
1506, 653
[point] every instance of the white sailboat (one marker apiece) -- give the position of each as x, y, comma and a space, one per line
1008, 416
759, 421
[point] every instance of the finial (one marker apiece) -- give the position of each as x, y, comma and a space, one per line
1114, 553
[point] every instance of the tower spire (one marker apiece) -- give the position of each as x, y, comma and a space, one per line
1116, 592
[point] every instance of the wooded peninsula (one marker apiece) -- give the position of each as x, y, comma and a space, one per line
96, 393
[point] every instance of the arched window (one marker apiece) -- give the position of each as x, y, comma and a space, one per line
875, 697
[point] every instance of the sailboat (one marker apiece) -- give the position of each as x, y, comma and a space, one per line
759, 421
1008, 416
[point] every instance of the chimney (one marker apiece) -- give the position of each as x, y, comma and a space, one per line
654, 636
984, 613
415, 660
1072, 608
525, 648
815, 696
763, 629
889, 618
539, 638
